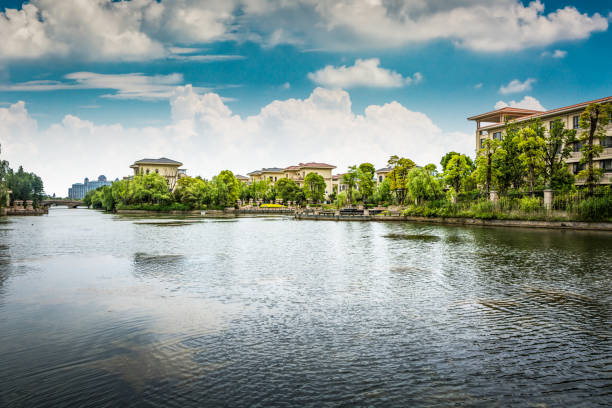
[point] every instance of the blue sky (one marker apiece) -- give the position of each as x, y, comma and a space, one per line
271, 84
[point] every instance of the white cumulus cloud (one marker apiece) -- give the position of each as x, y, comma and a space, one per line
208, 137
364, 73
516, 86
528, 102
139, 30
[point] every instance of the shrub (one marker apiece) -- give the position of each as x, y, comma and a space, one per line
272, 206
594, 209
530, 204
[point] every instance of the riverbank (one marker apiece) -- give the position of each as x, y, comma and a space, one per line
568, 225
23, 212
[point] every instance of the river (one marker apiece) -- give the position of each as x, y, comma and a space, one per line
103, 310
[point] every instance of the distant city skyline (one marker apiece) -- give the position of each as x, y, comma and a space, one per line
244, 84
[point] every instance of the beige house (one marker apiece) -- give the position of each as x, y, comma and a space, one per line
381, 174
491, 125
241, 178
299, 172
271, 173
163, 166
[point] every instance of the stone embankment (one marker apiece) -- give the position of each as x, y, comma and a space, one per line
20, 207
567, 225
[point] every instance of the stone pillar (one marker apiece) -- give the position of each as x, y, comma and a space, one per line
18, 205
548, 199
366, 212
493, 196
251, 202
29, 205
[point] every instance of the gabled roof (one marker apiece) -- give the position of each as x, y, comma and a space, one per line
292, 168
241, 177
384, 170
162, 160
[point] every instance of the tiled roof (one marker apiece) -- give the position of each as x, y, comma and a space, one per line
384, 170
317, 165
552, 112
241, 177
292, 168
162, 160
506, 109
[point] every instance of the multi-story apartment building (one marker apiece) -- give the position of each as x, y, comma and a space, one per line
165, 167
491, 125
78, 190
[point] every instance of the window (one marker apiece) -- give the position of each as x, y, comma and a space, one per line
578, 167
576, 122
607, 141
147, 171
483, 133
482, 143
577, 146
606, 165
380, 179
550, 124
497, 135
156, 171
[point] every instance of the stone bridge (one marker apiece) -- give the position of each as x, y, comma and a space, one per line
67, 203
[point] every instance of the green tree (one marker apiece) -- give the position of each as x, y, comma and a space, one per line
314, 187
398, 177
458, 169
365, 176
383, 192
593, 122
350, 180
485, 173
4, 169
506, 161
447, 157
148, 189
24, 185
557, 148
259, 189
287, 189
531, 145
192, 191
226, 189
423, 184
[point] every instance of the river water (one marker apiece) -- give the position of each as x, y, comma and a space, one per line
102, 310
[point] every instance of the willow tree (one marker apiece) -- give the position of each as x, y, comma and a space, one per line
365, 176
485, 172
314, 187
350, 180
593, 122
398, 176
458, 169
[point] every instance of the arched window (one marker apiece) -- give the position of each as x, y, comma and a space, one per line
147, 171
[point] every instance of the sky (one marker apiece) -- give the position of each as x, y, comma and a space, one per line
87, 87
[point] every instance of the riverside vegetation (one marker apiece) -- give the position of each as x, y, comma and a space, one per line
526, 160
